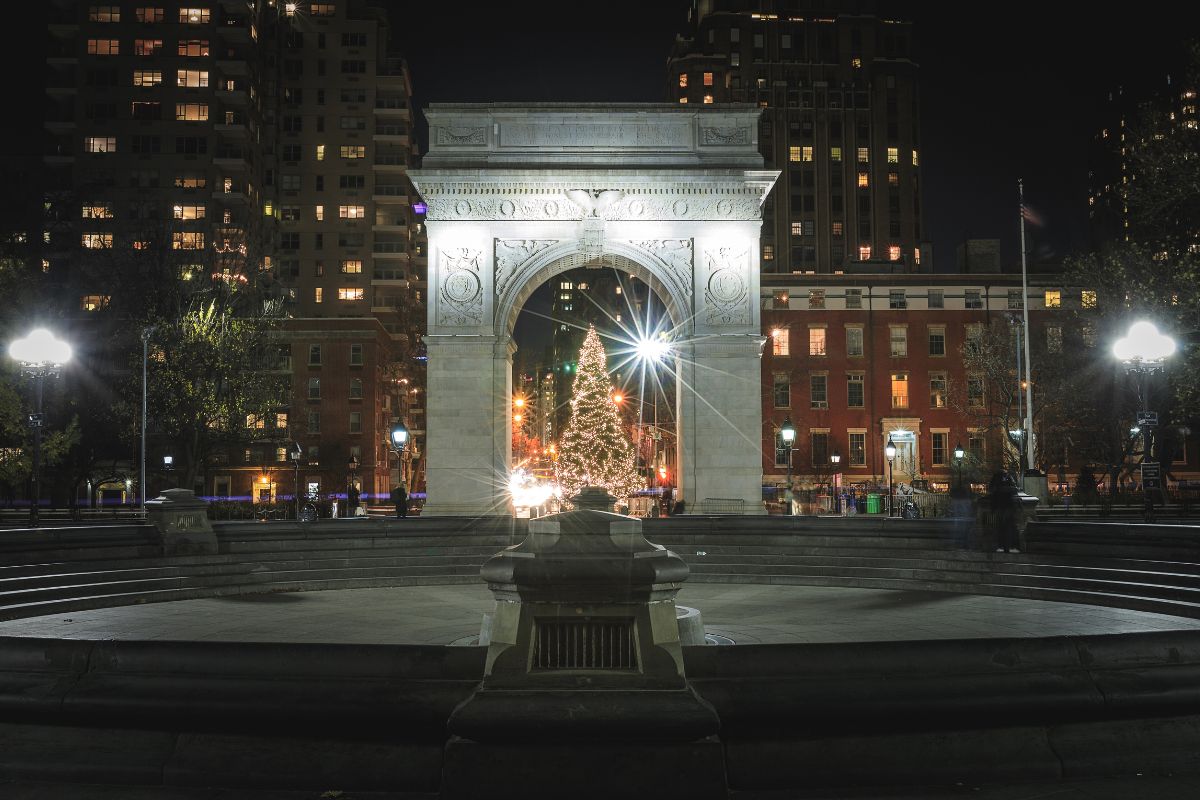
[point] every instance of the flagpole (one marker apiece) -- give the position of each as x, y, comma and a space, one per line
1025, 315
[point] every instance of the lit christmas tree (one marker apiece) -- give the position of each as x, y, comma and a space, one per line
595, 449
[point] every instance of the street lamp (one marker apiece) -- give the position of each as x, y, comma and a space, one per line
890, 451
399, 439
296, 453
788, 434
836, 459
39, 354
352, 470
958, 457
146, 332
1143, 351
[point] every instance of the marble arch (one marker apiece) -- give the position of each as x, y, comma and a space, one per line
519, 193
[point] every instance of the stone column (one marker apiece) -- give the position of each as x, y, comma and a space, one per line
720, 437
470, 380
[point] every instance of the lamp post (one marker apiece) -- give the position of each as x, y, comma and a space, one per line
149, 329
890, 451
296, 453
1143, 351
836, 460
958, 457
351, 471
39, 354
399, 440
788, 434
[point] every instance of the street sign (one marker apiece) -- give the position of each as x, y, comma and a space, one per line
1151, 476
1147, 419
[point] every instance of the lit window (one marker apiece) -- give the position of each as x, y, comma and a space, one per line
194, 16
352, 267
806, 153
320, 212
864, 252
100, 144
103, 47
708, 79
352, 151
147, 77
683, 100
192, 78
893, 179
98, 211
189, 212
816, 341
864, 180
1088, 298
836, 228
320, 152
863, 155
322, 9
898, 339
96, 241
708, 98
683, 80
147, 47
618, 290
93, 302
768, 252
899, 390
917, 256
856, 62
779, 342
894, 252
893, 155
318, 295
148, 14
187, 240
351, 212
835, 154
916, 160
350, 293
797, 228
191, 112
1053, 298
794, 153
193, 48
104, 14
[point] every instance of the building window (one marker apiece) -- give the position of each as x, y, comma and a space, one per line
937, 390
356, 388
898, 337
192, 48
854, 341
864, 252
1054, 339
858, 449
1014, 299
100, 144
863, 155
855, 394
314, 355
148, 15
794, 153
93, 302
191, 112
916, 160
352, 212
864, 180
98, 211
781, 390
314, 392
1087, 298
897, 299
356, 355
940, 448
899, 390
96, 241
351, 293
189, 212
854, 298
147, 77
976, 447
104, 14
973, 298
816, 341
937, 298
893, 155
835, 154
894, 252
1053, 298
973, 338
816, 298
780, 300
797, 228
768, 252
683, 80
974, 391
192, 78
104, 47
819, 448
356, 422
194, 16
779, 342
352, 151
937, 341
837, 228
806, 153
783, 451
147, 47
352, 266
187, 240
318, 295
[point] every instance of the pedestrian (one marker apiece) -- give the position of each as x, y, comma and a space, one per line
352, 498
333, 504
400, 498
1004, 500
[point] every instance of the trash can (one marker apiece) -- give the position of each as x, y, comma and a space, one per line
874, 504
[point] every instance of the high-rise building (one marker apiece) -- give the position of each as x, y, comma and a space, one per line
838, 89
264, 142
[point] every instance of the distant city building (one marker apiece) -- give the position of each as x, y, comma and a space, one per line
260, 142
838, 89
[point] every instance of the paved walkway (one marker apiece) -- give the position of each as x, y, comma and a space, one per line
747, 614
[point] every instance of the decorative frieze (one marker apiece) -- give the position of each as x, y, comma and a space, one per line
461, 136
724, 136
460, 299
732, 204
726, 294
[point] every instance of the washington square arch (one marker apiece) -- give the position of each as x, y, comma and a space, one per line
517, 194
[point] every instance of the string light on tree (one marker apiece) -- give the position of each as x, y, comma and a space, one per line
595, 449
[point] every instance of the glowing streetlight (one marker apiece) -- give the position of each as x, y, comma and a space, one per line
787, 432
1143, 351
890, 451
519, 402
651, 350
40, 354
618, 398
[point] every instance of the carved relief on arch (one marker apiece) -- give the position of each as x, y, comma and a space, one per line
460, 299
726, 293
512, 254
676, 255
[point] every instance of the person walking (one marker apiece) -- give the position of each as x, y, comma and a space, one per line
400, 498
1004, 501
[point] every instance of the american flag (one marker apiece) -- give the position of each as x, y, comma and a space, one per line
1031, 216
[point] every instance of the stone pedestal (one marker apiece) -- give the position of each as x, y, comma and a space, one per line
182, 522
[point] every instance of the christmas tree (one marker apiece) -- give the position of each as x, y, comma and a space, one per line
595, 449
